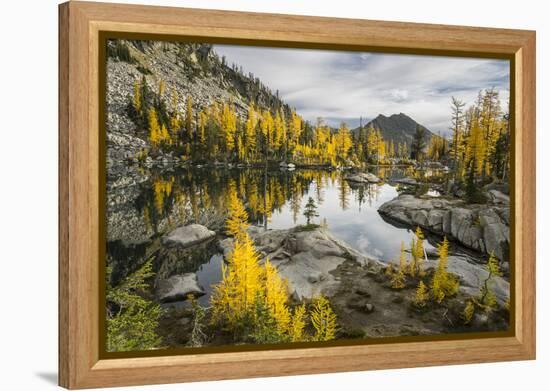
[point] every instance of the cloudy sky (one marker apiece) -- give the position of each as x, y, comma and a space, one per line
342, 86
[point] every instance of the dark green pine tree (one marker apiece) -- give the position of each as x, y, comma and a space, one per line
310, 210
419, 143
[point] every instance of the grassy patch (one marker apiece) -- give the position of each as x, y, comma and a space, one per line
306, 227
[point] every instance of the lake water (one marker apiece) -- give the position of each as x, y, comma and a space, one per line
351, 214
275, 199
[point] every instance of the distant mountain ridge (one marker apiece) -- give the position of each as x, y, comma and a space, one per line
397, 127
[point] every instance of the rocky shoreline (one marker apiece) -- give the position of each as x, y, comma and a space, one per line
481, 227
315, 262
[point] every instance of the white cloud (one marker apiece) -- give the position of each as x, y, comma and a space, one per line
346, 85
399, 95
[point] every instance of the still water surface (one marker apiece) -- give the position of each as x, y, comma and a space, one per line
275, 199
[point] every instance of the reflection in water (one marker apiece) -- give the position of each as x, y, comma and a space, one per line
351, 213
274, 199
209, 274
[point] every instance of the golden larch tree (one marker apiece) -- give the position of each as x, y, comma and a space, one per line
237, 222
487, 297
421, 295
235, 296
137, 97
189, 116
417, 253
323, 320
175, 122
443, 283
155, 135
276, 297
343, 141
229, 127
250, 132
297, 324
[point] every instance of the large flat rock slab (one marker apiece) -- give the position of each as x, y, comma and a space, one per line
304, 257
188, 236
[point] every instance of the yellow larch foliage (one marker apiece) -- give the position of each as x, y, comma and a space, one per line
245, 281
436, 146
189, 115
175, 122
237, 222
234, 297
389, 269
161, 88
405, 151
137, 97
229, 126
295, 128
398, 276
162, 189
241, 153
297, 324
487, 296
164, 135
468, 312
372, 142
476, 145
381, 146
266, 205
398, 279
343, 141
154, 127
279, 134
443, 284
276, 297
250, 131
323, 319
203, 119
267, 124
419, 249
157, 133
417, 253
421, 295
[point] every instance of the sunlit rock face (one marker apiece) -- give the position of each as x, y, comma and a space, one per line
305, 257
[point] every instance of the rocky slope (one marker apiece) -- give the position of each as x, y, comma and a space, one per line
191, 70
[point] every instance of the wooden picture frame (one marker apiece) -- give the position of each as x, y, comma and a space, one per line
80, 26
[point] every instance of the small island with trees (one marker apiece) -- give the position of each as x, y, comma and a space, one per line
232, 219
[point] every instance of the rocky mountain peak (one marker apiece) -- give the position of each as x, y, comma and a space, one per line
397, 127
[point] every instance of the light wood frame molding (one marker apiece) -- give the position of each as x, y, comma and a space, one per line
80, 365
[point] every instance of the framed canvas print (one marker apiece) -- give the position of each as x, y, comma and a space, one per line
248, 195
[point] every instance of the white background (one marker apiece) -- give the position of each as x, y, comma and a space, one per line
28, 194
